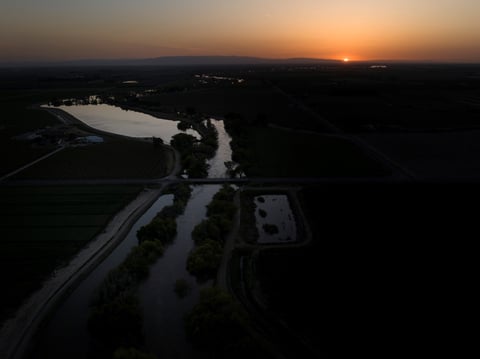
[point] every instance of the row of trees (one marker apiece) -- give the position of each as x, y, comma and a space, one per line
218, 325
237, 127
210, 234
163, 228
195, 153
115, 321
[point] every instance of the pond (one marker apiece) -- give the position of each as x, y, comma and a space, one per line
122, 122
275, 219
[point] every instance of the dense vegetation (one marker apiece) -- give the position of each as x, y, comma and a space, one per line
41, 228
210, 234
116, 319
270, 228
131, 353
195, 153
248, 223
163, 227
217, 325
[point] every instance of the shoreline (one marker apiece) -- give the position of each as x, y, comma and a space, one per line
17, 333
68, 119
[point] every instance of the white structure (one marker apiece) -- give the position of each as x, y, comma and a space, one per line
90, 139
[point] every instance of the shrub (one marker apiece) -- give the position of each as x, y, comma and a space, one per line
204, 260
270, 228
182, 288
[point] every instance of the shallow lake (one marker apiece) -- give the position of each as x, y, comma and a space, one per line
122, 122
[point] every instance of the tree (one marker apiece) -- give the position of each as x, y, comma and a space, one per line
204, 260
183, 142
217, 324
270, 228
157, 142
131, 353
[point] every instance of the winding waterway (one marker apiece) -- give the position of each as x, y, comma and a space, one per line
163, 310
66, 335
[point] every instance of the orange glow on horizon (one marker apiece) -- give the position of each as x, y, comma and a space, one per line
370, 29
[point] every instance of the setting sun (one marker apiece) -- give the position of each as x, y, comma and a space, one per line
346, 59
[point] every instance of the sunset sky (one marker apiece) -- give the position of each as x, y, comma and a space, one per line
438, 30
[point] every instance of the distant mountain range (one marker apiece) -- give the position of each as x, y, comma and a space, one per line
175, 61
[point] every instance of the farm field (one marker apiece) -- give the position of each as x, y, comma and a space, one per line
116, 158
42, 227
279, 153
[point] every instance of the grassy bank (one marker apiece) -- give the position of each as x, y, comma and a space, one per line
42, 227
116, 320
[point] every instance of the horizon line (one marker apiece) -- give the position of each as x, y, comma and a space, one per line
79, 61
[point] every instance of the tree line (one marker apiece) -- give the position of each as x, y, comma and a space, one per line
195, 153
115, 322
210, 235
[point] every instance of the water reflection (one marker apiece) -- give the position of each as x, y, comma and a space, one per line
223, 154
275, 219
163, 310
66, 334
128, 123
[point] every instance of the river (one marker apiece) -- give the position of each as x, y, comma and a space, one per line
65, 335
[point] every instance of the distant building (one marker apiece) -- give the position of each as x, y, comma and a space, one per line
90, 139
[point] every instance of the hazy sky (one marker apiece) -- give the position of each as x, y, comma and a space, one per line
359, 29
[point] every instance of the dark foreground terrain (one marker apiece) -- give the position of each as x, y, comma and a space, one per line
389, 271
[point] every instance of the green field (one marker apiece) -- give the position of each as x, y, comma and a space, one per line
42, 227
280, 153
116, 158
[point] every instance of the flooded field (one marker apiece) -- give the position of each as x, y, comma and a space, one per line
275, 220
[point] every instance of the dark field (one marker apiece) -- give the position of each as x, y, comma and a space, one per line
42, 227
282, 153
116, 158
389, 272
17, 119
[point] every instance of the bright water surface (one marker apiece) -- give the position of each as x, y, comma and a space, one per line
279, 213
66, 334
122, 122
